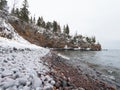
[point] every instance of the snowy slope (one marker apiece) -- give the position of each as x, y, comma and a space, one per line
7, 31
21, 67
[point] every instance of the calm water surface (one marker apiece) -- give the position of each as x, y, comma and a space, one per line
108, 62
105, 58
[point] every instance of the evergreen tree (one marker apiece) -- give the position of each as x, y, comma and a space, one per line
93, 39
3, 4
34, 20
48, 25
17, 13
66, 29
31, 20
88, 39
55, 26
14, 7
13, 11
24, 13
41, 22
59, 28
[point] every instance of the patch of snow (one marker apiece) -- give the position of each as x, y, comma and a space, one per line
4, 42
66, 47
8, 30
77, 48
88, 49
65, 57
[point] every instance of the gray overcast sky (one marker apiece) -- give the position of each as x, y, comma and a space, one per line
100, 18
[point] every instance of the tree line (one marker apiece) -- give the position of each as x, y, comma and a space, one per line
24, 14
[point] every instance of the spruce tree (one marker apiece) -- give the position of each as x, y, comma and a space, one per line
93, 39
14, 7
17, 13
3, 4
41, 22
31, 20
55, 26
34, 20
66, 29
24, 13
48, 25
13, 11
59, 28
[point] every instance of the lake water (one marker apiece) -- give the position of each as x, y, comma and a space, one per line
106, 61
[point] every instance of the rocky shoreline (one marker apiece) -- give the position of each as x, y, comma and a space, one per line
67, 77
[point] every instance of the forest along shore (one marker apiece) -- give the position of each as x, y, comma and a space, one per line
67, 77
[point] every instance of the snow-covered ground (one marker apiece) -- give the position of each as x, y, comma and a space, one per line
21, 67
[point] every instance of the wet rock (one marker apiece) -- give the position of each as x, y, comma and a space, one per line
63, 83
81, 88
66, 88
57, 84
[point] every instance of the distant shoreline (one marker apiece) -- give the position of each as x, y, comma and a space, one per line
73, 49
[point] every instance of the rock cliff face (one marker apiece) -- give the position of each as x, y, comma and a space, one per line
47, 38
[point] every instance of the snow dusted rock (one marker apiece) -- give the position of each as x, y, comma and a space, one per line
37, 82
22, 81
6, 73
26, 88
20, 62
52, 82
8, 83
47, 87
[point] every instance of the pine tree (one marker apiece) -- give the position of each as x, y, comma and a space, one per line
17, 13
34, 20
59, 28
3, 4
66, 29
88, 39
48, 25
13, 11
41, 22
14, 7
31, 20
24, 13
93, 39
55, 26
